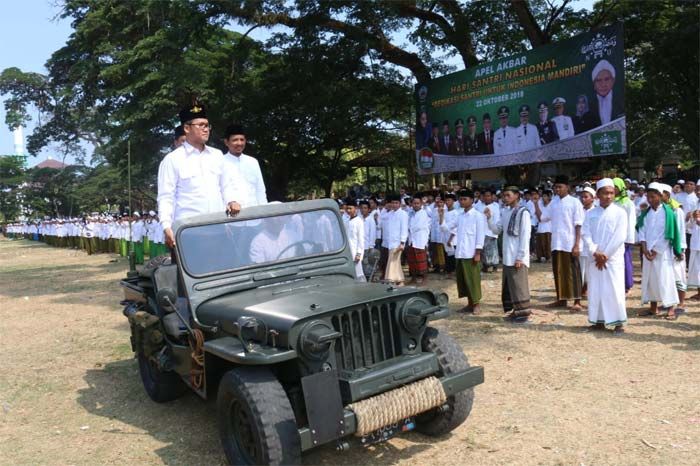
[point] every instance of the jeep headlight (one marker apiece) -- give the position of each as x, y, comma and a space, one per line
442, 299
413, 315
316, 339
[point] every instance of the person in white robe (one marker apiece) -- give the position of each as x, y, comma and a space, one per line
356, 240
658, 280
604, 235
679, 266
694, 267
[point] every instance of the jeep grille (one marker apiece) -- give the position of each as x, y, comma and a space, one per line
370, 336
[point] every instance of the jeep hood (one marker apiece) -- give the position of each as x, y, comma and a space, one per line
280, 306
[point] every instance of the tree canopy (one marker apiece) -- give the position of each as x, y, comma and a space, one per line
333, 81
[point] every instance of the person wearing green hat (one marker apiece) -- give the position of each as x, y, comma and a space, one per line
623, 201
471, 145
458, 143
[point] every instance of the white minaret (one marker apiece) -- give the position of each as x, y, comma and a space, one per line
19, 140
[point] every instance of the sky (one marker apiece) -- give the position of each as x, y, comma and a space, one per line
34, 32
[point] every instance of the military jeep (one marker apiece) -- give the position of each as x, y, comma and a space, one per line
263, 311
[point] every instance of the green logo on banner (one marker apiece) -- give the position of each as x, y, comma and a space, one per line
607, 142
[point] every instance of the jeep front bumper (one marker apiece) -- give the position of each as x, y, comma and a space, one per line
451, 384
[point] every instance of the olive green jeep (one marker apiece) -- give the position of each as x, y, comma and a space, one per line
263, 311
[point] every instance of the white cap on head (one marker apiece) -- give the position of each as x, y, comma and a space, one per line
604, 183
602, 65
655, 186
697, 182
667, 188
641, 186
681, 181
589, 190
151, 213
136, 214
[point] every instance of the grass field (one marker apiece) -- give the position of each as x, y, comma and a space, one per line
70, 392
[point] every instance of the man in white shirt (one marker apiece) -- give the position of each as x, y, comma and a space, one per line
514, 222
490, 257
137, 233
452, 212
418, 233
356, 238
528, 137
565, 126
469, 242
192, 179
394, 237
504, 139
544, 227
437, 249
566, 215
587, 197
659, 254
246, 169
370, 237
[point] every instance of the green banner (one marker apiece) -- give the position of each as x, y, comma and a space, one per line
556, 102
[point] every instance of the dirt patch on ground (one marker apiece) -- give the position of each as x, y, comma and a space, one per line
70, 392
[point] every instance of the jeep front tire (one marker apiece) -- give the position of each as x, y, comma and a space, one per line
451, 359
256, 420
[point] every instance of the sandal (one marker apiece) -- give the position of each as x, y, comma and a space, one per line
647, 313
671, 317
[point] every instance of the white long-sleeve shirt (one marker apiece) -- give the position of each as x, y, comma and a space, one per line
246, 170
565, 214
471, 231
435, 233
418, 229
394, 228
495, 210
191, 182
652, 232
370, 231
356, 237
514, 247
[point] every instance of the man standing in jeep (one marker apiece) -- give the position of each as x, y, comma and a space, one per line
192, 179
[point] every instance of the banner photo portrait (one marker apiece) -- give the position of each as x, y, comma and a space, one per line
556, 102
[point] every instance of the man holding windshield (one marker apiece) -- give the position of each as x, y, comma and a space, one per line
192, 179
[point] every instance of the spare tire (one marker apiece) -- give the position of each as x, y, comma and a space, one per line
152, 264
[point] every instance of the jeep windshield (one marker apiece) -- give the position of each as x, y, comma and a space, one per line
222, 247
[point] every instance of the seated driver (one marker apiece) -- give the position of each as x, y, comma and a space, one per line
274, 242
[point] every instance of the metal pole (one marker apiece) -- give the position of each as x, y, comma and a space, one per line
132, 258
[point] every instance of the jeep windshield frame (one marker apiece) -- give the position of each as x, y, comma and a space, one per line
269, 235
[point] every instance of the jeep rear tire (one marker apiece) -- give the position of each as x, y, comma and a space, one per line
256, 420
161, 386
451, 359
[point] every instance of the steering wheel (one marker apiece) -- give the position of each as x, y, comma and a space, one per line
293, 245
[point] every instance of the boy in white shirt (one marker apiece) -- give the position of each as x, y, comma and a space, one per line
356, 238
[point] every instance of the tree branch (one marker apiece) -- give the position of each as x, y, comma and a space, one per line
527, 20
